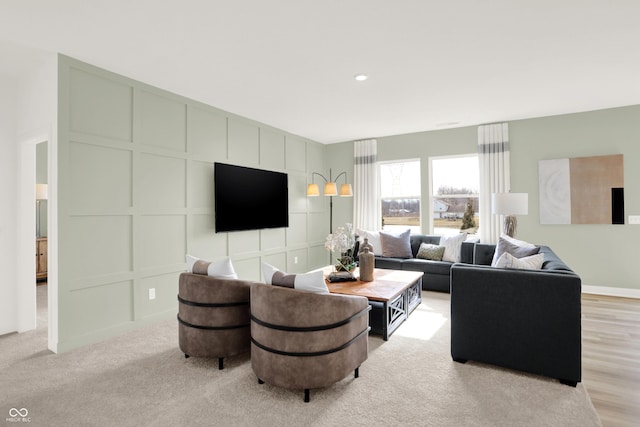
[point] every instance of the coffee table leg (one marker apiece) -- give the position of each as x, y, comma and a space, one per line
385, 321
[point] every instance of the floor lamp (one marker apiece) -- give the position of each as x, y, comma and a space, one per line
510, 205
330, 190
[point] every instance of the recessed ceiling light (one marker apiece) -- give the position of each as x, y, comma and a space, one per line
360, 77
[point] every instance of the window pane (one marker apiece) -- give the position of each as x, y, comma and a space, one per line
400, 179
400, 194
405, 212
455, 173
455, 186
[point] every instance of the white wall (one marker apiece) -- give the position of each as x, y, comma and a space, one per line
8, 217
34, 116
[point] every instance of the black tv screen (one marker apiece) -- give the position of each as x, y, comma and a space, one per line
249, 199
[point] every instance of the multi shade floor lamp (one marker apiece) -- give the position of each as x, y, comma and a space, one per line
330, 190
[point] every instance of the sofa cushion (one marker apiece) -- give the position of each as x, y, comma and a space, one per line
429, 251
466, 251
374, 240
553, 262
222, 268
427, 266
532, 262
396, 246
312, 281
452, 247
514, 249
483, 253
389, 263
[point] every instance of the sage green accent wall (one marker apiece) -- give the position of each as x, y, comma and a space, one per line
603, 255
136, 172
341, 160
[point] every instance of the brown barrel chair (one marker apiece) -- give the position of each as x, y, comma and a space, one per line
303, 340
213, 316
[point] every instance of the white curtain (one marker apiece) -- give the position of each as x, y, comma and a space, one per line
366, 204
493, 156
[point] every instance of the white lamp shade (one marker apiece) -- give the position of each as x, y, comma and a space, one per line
42, 192
346, 190
330, 189
510, 203
313, 190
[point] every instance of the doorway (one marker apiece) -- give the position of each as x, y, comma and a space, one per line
37, 305
42, 231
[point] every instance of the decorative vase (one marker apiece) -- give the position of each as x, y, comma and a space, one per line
367, 244
367, 262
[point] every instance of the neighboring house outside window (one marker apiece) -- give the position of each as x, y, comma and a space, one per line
454, 190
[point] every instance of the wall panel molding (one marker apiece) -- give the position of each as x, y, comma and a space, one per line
136, 195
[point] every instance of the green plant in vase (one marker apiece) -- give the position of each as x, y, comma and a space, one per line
341, 243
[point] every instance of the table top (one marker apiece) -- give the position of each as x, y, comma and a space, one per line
386, 284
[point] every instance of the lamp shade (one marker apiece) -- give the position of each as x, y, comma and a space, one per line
510, 203
346, 190
42, 192
313, 190
330, 189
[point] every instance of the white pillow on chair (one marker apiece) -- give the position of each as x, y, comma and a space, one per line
312, 281
221, 268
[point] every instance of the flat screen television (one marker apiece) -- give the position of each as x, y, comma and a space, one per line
249, 199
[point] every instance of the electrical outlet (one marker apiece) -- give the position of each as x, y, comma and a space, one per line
634, 219
295, 259
152, 293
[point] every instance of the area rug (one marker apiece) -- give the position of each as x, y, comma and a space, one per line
142, 379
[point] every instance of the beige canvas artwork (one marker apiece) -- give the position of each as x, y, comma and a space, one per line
582, 190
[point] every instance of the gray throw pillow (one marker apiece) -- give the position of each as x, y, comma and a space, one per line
396, 246
505, 245
431, 252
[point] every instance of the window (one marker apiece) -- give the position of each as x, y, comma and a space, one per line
454, 188
400, 195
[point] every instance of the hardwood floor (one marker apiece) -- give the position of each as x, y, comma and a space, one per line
611, 357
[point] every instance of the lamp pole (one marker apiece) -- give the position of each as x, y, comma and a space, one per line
330, 190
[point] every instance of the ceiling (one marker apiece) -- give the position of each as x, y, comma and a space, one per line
290, 63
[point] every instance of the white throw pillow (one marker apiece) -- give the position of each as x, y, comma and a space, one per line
533, 262
374, 240
221, 268
452, 247
312, 281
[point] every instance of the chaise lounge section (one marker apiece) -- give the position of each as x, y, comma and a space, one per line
528, 320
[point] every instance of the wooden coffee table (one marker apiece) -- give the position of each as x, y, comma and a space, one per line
394, 292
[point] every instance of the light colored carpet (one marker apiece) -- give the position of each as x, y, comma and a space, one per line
142, 378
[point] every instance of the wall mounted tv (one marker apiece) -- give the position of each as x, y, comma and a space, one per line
249, 199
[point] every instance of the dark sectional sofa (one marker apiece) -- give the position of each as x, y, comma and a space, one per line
436, 273
528, 320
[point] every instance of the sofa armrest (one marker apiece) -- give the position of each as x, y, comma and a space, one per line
520, 319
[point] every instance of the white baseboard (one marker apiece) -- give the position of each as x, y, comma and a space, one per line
612, 292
